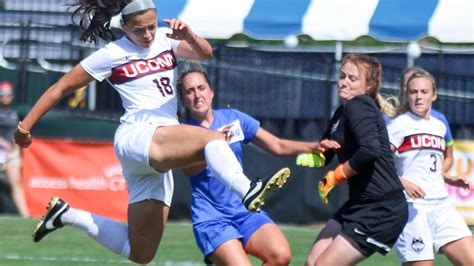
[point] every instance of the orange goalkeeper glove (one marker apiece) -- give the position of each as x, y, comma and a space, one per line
329, 181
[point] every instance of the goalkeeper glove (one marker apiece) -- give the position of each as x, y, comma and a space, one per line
310, 159
329, 181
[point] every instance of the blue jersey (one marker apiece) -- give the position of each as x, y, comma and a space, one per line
211, 199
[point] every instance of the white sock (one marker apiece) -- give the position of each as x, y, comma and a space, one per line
109, 233
224, 166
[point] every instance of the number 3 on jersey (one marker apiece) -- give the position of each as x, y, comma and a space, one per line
164, 86
435, 161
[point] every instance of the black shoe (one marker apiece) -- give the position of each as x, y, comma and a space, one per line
52, 220
255, 197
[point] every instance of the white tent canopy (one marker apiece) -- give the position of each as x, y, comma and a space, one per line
449, 21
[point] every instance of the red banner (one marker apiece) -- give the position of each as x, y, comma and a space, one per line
86, 175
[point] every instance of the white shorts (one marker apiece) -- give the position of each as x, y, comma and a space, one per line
132, 142
430, 226
12, 159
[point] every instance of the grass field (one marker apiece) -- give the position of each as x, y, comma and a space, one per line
72, 247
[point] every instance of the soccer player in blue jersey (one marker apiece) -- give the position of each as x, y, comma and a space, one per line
224, 229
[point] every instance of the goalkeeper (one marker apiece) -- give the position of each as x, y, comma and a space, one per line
376, 212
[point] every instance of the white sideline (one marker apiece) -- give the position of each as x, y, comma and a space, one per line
91, 260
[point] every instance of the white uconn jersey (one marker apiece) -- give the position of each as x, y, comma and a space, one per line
420, 152
144, 78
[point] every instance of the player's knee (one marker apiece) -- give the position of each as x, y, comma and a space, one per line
283, 259
215, 135
280, 257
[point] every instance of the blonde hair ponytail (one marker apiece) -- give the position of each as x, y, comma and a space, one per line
387, 105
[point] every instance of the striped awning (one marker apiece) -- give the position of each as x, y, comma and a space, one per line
449, 21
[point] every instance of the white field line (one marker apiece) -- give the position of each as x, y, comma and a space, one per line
15, 257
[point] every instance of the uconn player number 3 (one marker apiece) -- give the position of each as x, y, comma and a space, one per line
435, 160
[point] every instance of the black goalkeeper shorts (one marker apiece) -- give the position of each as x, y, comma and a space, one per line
374, 224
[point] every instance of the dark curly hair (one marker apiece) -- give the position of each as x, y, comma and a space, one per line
95, 16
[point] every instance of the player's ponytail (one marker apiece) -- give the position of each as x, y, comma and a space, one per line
387, 105
95, 16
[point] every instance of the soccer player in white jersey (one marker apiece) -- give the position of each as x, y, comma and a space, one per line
149, 142
418, 139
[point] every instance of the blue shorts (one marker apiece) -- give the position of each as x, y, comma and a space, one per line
210, 235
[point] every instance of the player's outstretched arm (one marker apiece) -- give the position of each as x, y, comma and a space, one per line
75, 79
